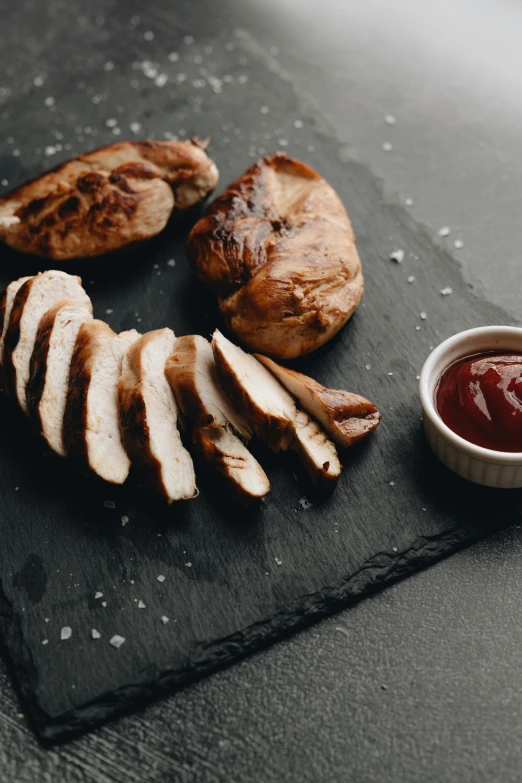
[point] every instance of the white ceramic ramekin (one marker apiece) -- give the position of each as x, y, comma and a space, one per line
483, 466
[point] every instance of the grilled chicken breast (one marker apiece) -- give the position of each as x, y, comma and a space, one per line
33, 299
49, 369
278, 249
106, 199
91, 424
148, 417
346, 417
213, 421
273, 414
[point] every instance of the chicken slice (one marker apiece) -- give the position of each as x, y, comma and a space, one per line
148, 417
273, 412
255, 392
33, 299
6, 305
50, 365
106, 199
225, 453
91, 425
191, 372
346, 417
317, 453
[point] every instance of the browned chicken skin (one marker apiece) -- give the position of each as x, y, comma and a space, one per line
106, 199
278, 248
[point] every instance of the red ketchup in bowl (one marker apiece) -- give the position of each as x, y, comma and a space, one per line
480, 399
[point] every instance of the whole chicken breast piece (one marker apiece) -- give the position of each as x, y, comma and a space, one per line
345, 416
106, 199
33, 299
50, 366
278, 249
91, 425
149, 418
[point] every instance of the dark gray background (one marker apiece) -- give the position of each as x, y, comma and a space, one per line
423, 681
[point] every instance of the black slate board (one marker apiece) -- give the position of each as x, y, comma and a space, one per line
233, 582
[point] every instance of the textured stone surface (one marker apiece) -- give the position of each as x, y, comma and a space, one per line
456, 733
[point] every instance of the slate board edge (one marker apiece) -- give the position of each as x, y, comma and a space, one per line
376, 573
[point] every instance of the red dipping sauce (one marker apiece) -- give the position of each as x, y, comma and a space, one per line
480, 399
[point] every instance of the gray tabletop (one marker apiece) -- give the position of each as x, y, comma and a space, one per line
421, 682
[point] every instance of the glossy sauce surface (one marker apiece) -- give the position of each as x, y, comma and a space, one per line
480, 399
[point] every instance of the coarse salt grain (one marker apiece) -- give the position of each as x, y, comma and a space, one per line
109, 311
368, 366
411, 279
164, 619
445, 231
397, 256
104, 604
49, 101
124, 520
189, 565
148, 35
65, 633
278, 561
98, 595
160, 578
387, 146
109, 66
390, 119
111, 122
446, 291
45, 641
161, 80
408, 202
117, 641
423, 316
141, 605
135, 127
95, 634
173, 57
109, 504
171, 262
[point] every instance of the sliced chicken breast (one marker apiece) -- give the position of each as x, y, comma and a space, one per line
148, 417
346, 417
255, 392
215, 425
33, 299
317, 453
50, 365
6, 305
192, 374
225, 453
91, 425
273, 412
